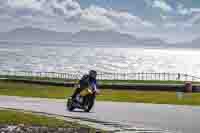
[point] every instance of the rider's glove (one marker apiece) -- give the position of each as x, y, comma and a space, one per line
97, 91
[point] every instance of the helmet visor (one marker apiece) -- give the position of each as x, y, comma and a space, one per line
93, 74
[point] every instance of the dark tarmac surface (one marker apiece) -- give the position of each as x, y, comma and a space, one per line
178, 119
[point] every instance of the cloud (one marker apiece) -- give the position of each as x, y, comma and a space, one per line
164, 17
186, 11
162, 5
113, 19
170, 25
33, 4
65, 11
69, 8
66, 8
194, 20
195, 10
69, 15
193, 13
96, 17
182, 10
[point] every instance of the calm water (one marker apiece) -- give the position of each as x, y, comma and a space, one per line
70, 59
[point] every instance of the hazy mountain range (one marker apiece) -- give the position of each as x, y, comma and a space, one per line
29, 35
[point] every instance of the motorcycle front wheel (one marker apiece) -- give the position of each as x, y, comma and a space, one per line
89, 103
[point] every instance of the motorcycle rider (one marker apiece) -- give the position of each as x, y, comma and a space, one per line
87, 80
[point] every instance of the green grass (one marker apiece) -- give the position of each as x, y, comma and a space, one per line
35, 78
155, 97
33, 90
143, 81
43, 91
11, 117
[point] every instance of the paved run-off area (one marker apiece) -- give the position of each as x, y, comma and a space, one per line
181, 119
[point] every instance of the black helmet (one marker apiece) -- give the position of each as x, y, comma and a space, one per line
93, 74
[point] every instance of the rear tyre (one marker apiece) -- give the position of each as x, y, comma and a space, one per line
70, 106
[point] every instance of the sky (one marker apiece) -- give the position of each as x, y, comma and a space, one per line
169, 20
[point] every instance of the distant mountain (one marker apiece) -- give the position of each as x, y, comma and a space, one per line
36, 35
195, 43
28, 34
103, 36
192, 44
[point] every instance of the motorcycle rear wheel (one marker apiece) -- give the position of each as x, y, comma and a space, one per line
70, 106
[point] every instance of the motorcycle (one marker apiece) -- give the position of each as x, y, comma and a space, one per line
85, 100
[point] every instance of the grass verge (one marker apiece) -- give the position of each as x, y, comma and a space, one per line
11, 117
43, 91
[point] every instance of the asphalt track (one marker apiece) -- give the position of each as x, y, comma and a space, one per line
128, 116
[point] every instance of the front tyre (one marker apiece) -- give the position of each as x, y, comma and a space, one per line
89, 103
